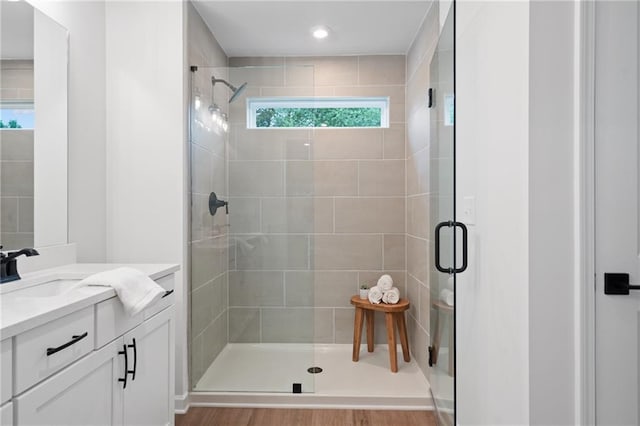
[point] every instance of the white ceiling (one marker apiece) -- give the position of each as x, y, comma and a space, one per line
283, 28
16, 30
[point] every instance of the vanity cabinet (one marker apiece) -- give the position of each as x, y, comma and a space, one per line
93, 391
121, 373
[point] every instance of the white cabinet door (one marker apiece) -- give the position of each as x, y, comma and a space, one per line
6, 370
85, 393
148, 398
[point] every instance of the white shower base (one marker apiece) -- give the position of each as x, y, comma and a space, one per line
247, 374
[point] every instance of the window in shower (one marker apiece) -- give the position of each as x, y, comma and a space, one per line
317, 112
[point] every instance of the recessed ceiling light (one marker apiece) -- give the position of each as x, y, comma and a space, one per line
320, 32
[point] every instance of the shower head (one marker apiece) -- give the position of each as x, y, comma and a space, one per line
236, 90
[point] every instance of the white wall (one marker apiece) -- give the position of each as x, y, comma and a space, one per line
492, 128
551, 213
146, 159
143, 121
516, 145
87, 130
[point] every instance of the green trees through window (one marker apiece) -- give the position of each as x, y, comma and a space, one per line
318, 117
12, 124
317, 112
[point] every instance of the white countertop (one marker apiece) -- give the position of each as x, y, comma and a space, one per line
19, 313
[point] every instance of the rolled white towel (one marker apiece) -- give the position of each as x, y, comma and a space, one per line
446, 296
375, 295
385, 282
450, 282
391, 296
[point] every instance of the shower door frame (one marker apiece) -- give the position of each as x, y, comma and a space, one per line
451, 222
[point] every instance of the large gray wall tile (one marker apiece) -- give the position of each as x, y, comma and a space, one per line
370, 215
256, 178
272, 252
382, 177
16, 145
347, 252
297, 215
16, 178
244, 325
9, 214
256, 288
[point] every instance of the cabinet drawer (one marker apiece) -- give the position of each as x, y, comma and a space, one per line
40, 352
85, 393
6, 369
168, 284
112, 321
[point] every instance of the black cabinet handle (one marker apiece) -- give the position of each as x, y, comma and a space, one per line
618, 283
135, 360
453, 269
126, 366
74, 339
166, 293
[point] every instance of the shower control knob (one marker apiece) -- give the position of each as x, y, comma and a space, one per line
215, 203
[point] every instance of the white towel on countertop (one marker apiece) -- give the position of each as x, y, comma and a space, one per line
375, 295
446, 296
135, 290
385, 282
391, 296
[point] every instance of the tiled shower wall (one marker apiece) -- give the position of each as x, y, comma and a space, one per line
16, 160
422, 162
209, 240
313, 212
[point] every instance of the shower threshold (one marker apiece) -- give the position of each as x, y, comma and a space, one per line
262, 375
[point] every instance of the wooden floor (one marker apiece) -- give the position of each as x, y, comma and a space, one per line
200, 416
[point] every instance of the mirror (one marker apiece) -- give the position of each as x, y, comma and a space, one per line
33, 127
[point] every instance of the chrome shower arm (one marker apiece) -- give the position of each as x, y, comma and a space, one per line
219, 80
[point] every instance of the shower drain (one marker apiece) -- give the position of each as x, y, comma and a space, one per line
314, 370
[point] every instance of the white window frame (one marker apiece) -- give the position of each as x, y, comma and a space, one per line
255, 103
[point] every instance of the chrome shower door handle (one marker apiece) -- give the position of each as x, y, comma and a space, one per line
451, 269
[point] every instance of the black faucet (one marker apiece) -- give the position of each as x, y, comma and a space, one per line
9, 264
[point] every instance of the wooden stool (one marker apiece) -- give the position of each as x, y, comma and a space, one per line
446, 311
392, 313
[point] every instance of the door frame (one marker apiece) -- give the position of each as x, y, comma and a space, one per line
585, 226
584, 213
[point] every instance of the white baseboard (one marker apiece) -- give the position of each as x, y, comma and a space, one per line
182, 403
264, 400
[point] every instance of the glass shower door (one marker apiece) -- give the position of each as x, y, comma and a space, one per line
447, 234
253, 314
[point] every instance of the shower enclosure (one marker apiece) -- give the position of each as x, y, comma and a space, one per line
288, 223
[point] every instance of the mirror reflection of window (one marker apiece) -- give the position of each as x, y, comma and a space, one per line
17, 116
16, 149
33, 127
